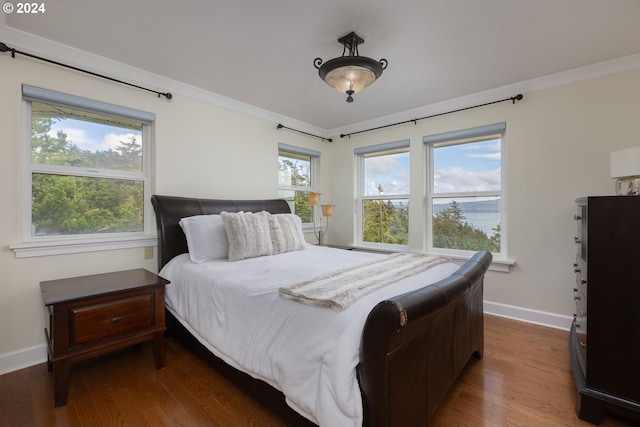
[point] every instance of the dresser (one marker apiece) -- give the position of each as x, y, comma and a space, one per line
604, 342
92, 315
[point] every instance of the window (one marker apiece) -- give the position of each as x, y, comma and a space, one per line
86, 173
465, 199
296, 178
383, 194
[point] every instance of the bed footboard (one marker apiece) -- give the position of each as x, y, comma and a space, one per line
415, 345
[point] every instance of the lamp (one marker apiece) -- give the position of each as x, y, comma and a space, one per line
625, 169
352, 73
327, 212
314, 199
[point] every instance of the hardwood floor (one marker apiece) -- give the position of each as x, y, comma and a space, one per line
524, 379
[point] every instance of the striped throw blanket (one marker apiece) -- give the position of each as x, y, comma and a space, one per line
341, 288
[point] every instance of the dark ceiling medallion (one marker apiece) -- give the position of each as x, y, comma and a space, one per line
350, 73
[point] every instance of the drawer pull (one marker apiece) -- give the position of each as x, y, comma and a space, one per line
116, 319
583, 345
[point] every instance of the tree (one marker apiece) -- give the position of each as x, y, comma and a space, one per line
299, 172
384, 222
67, 204
451, 231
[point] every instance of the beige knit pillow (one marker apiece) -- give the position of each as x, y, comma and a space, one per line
286, 233
248, 234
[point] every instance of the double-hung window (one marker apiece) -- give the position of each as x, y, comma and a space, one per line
297, 178
86, 171
465, 197
383, 195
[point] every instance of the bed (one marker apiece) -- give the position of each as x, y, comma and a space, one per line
411, 341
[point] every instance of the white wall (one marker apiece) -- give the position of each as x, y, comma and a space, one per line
558, 145
558, 142
201, 150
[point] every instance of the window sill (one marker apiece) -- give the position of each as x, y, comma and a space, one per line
502, 265
71, 246
497, 264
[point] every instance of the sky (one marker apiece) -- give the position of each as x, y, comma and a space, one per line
462, 167
467, 167
93, 136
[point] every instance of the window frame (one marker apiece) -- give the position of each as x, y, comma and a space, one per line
459, 137
314, 165
361, 153
62, 244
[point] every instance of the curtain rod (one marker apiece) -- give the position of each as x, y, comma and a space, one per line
281, 126
5, 48
513, 99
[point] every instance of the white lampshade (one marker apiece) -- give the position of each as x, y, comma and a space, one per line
625, 163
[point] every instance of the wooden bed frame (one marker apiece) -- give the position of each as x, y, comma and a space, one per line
413, 345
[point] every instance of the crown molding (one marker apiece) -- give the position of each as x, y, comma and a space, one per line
623, 64
59, 52
63, 53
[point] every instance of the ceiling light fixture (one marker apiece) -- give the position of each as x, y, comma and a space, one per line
351, 73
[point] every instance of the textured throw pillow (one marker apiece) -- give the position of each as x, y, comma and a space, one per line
206, 237
286, 233
248, 234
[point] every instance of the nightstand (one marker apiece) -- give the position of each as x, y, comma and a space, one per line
92, 315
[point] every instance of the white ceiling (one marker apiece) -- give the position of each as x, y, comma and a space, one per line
261, 52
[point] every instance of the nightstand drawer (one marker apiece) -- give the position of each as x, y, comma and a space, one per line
96, 314
93, 322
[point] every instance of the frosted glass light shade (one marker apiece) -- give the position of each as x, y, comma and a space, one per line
350, 78
314, 199
327, 210
350, 73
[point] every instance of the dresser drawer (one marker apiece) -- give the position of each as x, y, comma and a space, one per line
92, 322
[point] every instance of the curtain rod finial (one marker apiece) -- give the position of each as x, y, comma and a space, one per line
5, 48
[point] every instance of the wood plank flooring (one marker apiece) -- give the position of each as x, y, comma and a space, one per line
524, 379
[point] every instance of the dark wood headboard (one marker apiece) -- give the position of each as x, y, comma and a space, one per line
171, 209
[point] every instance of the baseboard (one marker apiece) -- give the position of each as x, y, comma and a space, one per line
536, 317
20, 359
24, 358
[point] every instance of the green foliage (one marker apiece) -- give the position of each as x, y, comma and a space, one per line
383, 222
63, 204
300, 173
451, 231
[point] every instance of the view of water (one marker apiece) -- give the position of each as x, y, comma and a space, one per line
485, 221
483, 214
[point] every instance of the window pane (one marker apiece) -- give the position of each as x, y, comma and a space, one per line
67, 205
294, 170
467, 223
473, 166
386, 174
385, 221
299, 203
67, 137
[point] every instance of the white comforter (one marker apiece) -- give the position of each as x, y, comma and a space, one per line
309, 353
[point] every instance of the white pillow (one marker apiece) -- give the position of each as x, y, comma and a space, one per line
286, 233
248, 234
206, 237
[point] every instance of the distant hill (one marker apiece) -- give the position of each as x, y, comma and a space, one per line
484, 206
